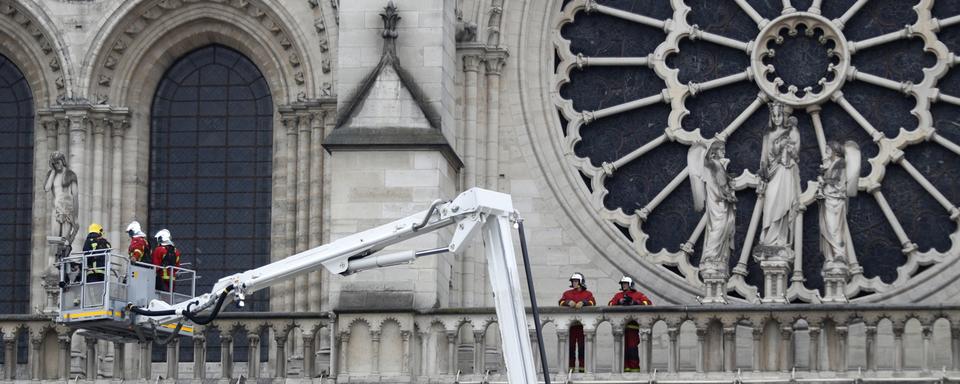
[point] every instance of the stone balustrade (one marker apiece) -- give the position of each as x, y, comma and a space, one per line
837, 343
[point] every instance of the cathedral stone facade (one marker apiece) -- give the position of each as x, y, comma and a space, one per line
257, 129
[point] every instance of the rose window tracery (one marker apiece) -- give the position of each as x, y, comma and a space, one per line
640, 84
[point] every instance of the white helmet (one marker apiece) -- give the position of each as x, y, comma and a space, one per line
628, 280
134, 229
578, 277
163, 237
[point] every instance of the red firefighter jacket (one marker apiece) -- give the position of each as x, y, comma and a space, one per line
631, 297
166, 259
137, 249
584, 296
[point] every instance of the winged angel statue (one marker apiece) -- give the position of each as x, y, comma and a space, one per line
712, 190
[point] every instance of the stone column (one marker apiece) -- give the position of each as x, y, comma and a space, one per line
96, 206
375, 352
40, 294
451, 352
871, 333
119, 355
563, 353
279, 247
786, 349
927, 332
290, 213
315, 220
344, 346
145, 360
91, 366
646, 349
701, 349
898, 348
674, 349
729, 348
757, 345
78, 163
424, 336
494, 63
118, 129
814, 348
590, 337
280, 338
226, 354
9, 355
173, 359
405, 347
775, 263
955, 337
618, 348
309, 354
199, 356
302, 208
63, 357
36, 361
63, 135
473, 256
253, 354
478, 351
842, 338
537, 367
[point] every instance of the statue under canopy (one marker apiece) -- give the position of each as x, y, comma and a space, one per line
780, 178
62, 184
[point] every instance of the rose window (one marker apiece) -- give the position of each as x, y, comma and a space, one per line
640, 83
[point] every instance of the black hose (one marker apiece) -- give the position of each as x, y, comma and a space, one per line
533, 302
146, 312
213, 315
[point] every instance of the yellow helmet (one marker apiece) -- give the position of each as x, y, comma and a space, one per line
95, 228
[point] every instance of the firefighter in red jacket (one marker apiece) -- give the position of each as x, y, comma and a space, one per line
165, 255
138, 243
577, 297
629, 295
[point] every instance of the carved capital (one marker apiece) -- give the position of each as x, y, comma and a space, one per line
119, 127
290, 122
494, 64
471, 62
100, 126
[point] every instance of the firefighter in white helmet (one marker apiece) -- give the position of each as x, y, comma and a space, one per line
166, 256
629, 295
138, 242
577, 297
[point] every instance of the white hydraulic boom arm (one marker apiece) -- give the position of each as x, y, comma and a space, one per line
475, 210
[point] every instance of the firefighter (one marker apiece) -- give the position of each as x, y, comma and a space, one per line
138, 242
577, 297
165, 255
629, 295
94, 247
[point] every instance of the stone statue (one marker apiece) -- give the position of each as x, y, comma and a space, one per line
838, 180
62, 184
780, 178
712, 190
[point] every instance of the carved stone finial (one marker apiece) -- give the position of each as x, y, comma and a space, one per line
390, 20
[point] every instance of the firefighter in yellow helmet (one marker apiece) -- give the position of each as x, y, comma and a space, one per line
94, 247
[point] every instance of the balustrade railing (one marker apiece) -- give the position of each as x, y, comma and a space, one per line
771, 343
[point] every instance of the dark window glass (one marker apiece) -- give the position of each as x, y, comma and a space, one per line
16, 187
204, 168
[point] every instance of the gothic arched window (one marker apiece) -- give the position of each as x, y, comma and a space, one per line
16, 187
211, 162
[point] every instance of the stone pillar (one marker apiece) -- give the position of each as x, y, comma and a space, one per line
786, 349
36, 361
494, 63
173, 359
375, 352
119, 355
835, 276
590, 337
40, 258
253, 354
96, 206
618, 348
701, 349
775, 263
757, 345
452, 352
290, 213
78, 163
63, 135
646, 349
117, 226
563, 354
309, 354
226, 354
345, 345
674, 350
405, 347
9, 355
91, 367
316, 198
537, 367
871, 334
63, 357
145, 360
927, 332
842, 341
814, 348
714, 284
301, 212
199, 356
898, 348
280, 338
955, 336
729, 348
478, 350
473, 258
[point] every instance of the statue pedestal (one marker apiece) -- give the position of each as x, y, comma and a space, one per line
776, 263
714, 283
57, 248
835, 275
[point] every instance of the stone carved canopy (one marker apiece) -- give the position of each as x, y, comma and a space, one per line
638, 82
